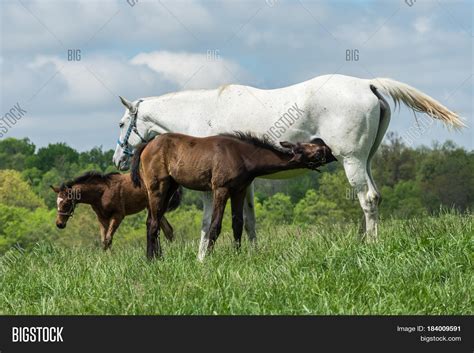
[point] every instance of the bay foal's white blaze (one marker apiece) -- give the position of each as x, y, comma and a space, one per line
348, 113
59, 200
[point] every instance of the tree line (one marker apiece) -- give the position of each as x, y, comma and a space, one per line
414, 182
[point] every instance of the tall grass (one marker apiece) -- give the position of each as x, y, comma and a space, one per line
419, 266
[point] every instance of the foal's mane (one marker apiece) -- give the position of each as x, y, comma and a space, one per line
89, 177
258, 141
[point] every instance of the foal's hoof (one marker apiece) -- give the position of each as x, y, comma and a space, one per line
152, 257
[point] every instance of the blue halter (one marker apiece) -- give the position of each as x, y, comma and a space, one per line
132, 127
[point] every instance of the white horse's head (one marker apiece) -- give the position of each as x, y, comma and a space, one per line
134, 130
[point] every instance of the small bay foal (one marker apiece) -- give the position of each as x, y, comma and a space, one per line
224, 164
112, 197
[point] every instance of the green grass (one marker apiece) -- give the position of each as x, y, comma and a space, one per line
418, 267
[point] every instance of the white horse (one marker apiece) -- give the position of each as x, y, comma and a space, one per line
348, 113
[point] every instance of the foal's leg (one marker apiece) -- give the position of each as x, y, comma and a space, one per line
149, 218
167, 229
103, 225
249, 214
237, 204
158, 200
156, 205
151, 230
113, 226
220, 197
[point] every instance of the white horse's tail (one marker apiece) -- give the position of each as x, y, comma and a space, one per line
417, 101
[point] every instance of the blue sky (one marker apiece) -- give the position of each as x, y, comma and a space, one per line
155, 47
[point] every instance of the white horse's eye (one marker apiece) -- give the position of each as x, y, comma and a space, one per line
121, 125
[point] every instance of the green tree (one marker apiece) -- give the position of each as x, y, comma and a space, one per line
57, 155
33, 176
22, 227
404, 200
51, 177
446, 178
394, 162
97, 157
14, 191
15, 153
334, 201
314, 208
277, 209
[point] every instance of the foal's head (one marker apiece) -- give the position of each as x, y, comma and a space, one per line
66, 202
311, 155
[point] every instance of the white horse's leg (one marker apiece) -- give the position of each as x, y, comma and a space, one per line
369, 197
206, 222
249, 214
384, 121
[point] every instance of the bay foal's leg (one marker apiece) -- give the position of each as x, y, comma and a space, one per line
237, 204
249, 214
167, 229
148, 230
220, 197
103, 225
206, 222
158, 199
113, 226
156, 204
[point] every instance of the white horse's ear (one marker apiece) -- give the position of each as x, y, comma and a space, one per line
127, 103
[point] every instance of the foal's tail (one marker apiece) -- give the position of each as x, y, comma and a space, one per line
417, 101
135, 168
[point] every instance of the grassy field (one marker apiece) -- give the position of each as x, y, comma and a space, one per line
417, 267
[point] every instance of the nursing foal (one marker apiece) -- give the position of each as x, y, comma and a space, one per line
112, 197
225, 164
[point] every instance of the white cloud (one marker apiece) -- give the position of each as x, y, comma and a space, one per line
95, 81
87, 85
192, 70
150, 49
55, 26
422, 24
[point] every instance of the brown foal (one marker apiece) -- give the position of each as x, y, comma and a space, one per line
224, 164
112, 197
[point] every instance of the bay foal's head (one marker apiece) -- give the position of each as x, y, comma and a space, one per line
310, 155
66, 200
78, 190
